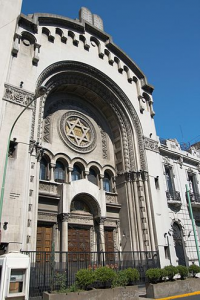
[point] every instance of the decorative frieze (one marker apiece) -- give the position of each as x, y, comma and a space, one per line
81, 220
45, 216
151, 144
49, 188
17, 95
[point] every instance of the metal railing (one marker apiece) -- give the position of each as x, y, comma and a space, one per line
173, 195
195, 197
48, 267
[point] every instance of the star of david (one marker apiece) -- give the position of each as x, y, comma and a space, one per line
78, 132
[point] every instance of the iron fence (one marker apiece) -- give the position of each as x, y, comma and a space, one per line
48, 269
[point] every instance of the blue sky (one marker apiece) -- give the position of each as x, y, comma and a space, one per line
163, 38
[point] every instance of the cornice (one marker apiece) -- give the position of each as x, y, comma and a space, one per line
175, 154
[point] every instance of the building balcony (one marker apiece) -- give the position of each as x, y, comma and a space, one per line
195, 199
50, 189
173, 198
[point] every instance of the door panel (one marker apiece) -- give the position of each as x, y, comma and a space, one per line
44, 242
109, 246
79, 241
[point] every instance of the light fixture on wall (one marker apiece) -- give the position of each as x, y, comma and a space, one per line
5, 225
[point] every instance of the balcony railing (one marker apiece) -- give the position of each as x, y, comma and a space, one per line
173, 197
195, 199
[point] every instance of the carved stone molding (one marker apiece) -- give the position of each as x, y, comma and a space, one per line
111, 198
104, 144
80, 220
135, 176
49, 188
95, 80
110, 223
64, 217
17, 95
102, 220
151, 144
73, 103
45, 216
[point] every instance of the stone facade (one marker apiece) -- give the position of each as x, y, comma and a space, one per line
86, 170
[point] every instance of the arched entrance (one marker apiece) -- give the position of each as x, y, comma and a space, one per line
179, 244
83, 225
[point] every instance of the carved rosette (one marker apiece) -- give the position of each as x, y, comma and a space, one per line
17, 95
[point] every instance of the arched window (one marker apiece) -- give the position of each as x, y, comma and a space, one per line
92, 177
76, 173
43, 169
107, 182
59, 174
79, 205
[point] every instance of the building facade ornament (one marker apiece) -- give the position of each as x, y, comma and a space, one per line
151, 144
86, 76
17, 95
77, 132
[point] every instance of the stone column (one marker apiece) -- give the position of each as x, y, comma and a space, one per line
150, 218
52, 168
64, 241
101, 176
70, 169
137, 207
130, 209
101, 231
86, 173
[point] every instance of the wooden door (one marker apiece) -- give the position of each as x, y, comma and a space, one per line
79, 241
44, 242
109, 246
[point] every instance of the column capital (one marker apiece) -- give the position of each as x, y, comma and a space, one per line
102, 220
145, 175
64, 217
52, 165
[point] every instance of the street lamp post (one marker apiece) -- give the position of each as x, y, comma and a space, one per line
38, 93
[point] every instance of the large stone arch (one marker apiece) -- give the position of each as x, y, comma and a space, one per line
76, 73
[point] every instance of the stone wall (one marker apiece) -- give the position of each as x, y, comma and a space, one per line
119, 293
172, 288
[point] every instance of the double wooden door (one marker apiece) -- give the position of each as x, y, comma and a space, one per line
79, 244
44, 242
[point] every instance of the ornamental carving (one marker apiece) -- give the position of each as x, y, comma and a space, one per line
93, 79
77, 131
17, 95
111, 198
47, 217
80, 220
151, 144
73, 103
47, 187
